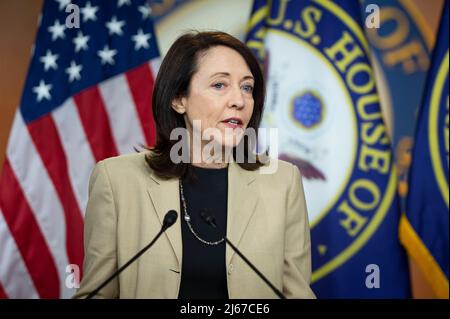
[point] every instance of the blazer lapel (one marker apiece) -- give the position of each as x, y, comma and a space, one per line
242, 199
165, 196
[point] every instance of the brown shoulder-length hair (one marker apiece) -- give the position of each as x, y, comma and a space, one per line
174, 77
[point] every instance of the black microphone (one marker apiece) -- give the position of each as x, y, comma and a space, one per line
211, 221
169, 219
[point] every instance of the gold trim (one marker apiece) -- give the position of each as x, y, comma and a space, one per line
424, 259
433, 120
351, 24
255, 18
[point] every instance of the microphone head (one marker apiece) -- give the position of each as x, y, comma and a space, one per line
208, 218
170, 218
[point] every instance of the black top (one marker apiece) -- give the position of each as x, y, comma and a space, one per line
203, 272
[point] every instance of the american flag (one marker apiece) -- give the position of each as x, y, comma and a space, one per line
87, 97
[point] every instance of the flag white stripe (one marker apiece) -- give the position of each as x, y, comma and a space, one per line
124, 120
42, 197
154, 66
80, 160
14, 276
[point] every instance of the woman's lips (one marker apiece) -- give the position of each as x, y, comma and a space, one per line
232, 125
233, 122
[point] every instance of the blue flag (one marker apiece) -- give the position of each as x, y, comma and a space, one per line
322, 97
424, 230
401, 44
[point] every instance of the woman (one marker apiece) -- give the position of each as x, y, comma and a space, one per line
209, 84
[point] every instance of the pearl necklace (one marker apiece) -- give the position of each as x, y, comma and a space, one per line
187, 218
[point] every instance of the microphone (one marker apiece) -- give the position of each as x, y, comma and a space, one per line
211, 221
169, 219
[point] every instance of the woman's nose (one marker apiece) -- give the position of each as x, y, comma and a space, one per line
237, 98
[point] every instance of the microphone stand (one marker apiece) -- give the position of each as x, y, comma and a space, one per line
169, 219
212, 223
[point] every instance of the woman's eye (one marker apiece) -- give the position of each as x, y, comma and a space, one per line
248, 88
218, 85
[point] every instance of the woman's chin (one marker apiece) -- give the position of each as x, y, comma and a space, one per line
231, 141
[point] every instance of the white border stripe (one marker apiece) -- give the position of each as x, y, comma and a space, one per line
14, 275
41, 195
123, 118
80, 160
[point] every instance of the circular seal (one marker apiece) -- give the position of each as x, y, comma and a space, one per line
330, 125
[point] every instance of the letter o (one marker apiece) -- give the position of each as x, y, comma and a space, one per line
394, 38
366, 185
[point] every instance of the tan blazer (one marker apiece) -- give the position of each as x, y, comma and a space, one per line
267, 221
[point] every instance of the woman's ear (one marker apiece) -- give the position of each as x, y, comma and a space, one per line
179, 105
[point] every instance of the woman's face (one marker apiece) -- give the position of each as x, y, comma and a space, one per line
220, 96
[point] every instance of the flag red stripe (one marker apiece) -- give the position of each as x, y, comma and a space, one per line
26, 232
95, 122
45, 136
2, 292
141, 84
